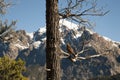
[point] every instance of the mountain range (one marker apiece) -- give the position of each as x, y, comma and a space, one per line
30, 47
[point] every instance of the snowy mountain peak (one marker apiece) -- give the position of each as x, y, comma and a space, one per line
30, 35
68, 30
42, 30
31, 48
70, 25
62, 22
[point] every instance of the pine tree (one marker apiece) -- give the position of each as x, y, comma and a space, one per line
11, 69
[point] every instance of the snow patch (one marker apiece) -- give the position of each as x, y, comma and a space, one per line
42, 30
90, 31
36, 44
110, 40
115, 45
44, 39
69, 24
30, 35
21, 46
78, 35
107, 39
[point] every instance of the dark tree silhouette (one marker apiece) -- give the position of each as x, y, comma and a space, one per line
74, 10
52, 55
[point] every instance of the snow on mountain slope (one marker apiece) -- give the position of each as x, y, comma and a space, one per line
65, 26
42, 30
36, 44
21, 46
69, 24
31, 48
30, 35
74, 34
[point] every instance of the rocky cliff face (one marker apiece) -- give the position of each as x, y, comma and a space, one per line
31, 48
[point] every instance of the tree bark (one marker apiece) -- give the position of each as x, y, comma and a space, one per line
52, 33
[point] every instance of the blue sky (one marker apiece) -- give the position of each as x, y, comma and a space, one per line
30, 15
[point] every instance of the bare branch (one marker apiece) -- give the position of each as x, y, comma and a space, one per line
93, 56
3, 6
76, 10
77, 2
6, 30
64, 53
82, 51
76, 57
95, 14
83, 14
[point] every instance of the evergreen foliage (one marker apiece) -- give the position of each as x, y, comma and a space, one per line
11, 69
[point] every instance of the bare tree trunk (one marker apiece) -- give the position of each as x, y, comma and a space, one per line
52, 56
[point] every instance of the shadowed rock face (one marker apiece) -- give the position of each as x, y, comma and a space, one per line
32, 51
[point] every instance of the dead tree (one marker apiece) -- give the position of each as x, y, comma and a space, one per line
76, 10
6, 31
52, 55
5, 28
75, 56
3, 6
